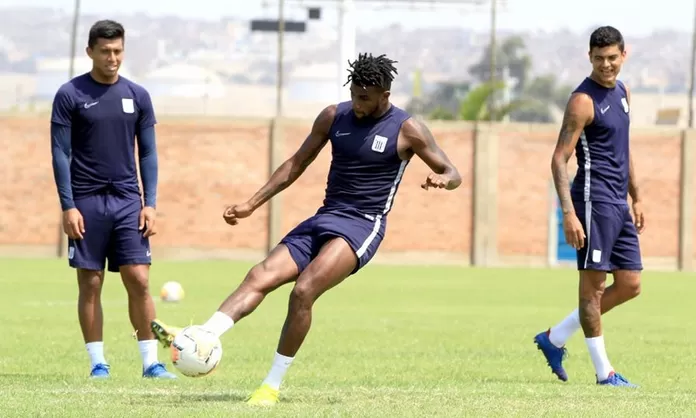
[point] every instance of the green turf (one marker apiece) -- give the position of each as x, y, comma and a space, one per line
430, 341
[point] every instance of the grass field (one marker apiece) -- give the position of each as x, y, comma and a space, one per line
402, 342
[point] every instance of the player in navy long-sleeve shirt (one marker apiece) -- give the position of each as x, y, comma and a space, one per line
96, 119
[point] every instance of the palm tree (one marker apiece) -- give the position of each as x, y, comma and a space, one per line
474, 106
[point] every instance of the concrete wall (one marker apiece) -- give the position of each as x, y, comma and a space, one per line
501, 215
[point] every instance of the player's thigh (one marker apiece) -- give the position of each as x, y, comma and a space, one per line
128, 245
336, 261
363, 235
625, 256
90, 252
601, 226
301, 243
277, 269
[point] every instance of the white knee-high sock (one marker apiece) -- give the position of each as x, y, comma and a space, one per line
598, 353
561, 333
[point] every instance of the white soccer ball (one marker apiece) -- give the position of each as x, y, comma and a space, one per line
196, 351
172, 292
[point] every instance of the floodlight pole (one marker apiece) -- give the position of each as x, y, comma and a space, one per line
62, 249
73, 38
346, 44
494, 50
274, 146
692, 72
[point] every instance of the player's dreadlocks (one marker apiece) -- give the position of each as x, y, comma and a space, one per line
368, 71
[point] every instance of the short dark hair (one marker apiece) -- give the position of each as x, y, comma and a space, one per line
105, 29
605, 36
371, 71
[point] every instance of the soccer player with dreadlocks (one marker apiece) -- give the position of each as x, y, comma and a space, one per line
372, 142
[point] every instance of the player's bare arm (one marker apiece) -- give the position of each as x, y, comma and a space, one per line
290, 170
633, 189
421, 142
579, 113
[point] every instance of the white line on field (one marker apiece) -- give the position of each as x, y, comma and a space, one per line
186, 392
67, 302
73, 302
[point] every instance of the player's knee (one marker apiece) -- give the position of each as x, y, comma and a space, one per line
628, 283
135, 279
90, 282
262, 278
302, 295
633, 290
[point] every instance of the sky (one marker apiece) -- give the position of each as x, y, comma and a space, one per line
576, 15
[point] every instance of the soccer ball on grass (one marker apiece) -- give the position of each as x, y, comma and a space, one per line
196, 351
171, 292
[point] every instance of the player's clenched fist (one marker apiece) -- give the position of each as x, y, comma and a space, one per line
435, 181
73, 224
235, 212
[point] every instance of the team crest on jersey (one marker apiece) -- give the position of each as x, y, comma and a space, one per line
379, 143
127, 105
624, 102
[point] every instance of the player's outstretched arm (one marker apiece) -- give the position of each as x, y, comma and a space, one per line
578, 113
421, 141
293, 167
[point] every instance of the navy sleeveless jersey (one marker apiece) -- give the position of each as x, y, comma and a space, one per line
104, 121
365, 168
602, 150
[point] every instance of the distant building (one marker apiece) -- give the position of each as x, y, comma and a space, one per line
184, 80
315, 83
51, 73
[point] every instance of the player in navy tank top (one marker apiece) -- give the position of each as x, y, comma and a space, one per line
597, 218
95, 122
372, 142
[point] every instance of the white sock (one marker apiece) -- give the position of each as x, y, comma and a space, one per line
96, 352
598, 353
280, 366
562, 332
219, 323
148, 351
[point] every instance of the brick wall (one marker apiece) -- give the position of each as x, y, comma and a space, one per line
206, 164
